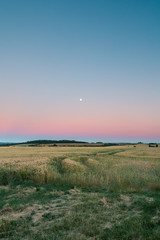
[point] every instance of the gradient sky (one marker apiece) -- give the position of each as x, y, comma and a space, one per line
54, 52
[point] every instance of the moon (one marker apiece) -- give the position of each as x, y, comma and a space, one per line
80, 99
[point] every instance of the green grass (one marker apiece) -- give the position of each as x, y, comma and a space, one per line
51, 212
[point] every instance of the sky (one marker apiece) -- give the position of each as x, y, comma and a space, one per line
55, 52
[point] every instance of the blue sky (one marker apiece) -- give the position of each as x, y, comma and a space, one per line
52, 53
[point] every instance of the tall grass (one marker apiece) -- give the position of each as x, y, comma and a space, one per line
109, 168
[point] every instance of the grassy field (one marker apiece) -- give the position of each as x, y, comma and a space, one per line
80, 192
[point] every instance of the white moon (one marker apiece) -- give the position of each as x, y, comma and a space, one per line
80, 99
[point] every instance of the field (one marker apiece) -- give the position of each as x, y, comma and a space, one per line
80, 192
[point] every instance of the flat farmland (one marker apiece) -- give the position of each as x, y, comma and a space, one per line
80, 192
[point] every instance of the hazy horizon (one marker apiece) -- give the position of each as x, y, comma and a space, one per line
54, 53
105, 140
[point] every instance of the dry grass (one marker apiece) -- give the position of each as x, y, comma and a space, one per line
114, 168
64, 210
70, 166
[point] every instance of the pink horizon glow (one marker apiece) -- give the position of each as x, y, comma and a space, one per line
79, 130
80, 122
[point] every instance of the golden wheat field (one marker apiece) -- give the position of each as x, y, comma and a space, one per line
128, 168
80, 193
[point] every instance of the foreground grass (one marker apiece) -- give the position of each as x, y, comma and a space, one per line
47, 212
